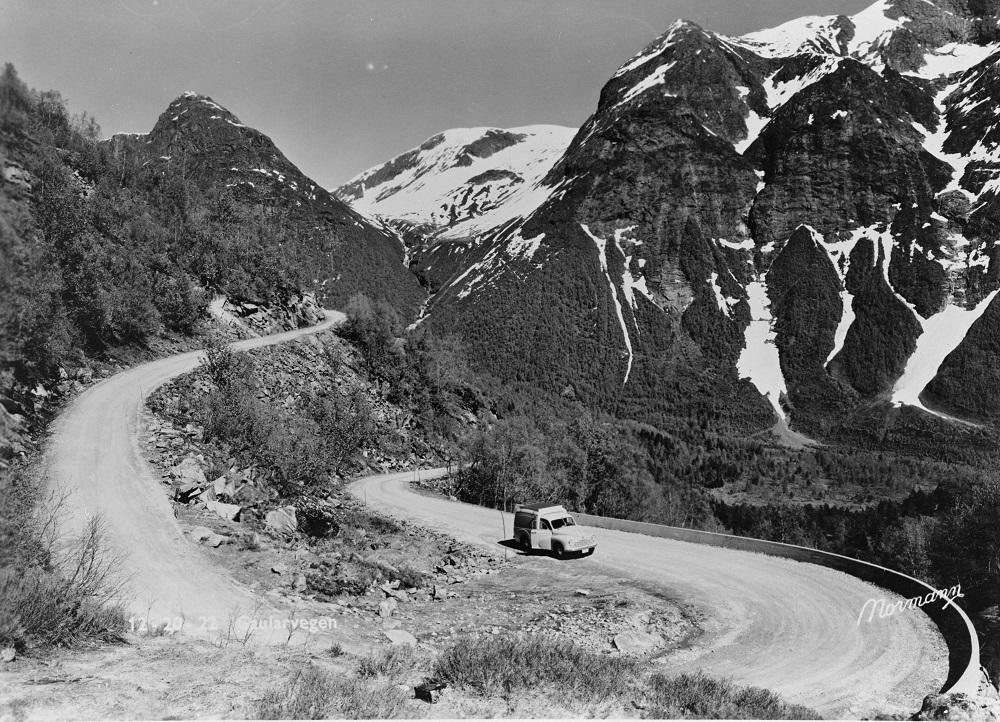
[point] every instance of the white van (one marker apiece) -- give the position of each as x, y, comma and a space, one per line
550, 527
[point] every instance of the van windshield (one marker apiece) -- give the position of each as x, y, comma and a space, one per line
565, 521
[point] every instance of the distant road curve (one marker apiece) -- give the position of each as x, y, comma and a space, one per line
787, 626
94, 460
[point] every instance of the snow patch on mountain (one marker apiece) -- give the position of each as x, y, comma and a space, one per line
883, 251
654, 79
839, 253
954, 58
746, 244
602, 247
479, 268
759, 361
960, 254
631, 283
780, 92
843, 326
755, 123
941, 334
934, 140
724, 303
972, 90
526, 248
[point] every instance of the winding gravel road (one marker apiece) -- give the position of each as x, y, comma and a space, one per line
95, 462
784, 625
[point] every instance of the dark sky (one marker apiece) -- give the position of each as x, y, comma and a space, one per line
341, 85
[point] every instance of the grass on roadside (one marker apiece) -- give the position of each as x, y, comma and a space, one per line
698, 696
388, 663
502, 666
505, 666
313, 693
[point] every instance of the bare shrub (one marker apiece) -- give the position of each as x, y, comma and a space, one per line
57, 591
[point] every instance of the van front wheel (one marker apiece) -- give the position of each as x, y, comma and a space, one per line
558, 551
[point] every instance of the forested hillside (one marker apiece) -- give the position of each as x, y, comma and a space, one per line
105, 245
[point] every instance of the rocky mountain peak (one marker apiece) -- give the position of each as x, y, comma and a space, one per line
199, 105
207, 143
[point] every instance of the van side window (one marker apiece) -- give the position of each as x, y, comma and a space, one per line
545, 525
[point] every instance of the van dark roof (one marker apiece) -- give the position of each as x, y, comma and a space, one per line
537, 506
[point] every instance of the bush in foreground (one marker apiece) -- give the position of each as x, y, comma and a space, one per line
388, 663
505, 665
53, 591
312, 693
698, 696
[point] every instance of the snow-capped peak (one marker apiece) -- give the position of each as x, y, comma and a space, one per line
860, 36
461, 182
813, 33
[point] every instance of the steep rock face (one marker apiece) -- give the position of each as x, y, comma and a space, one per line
973, 140
884, 331
202, 141
842, 153
807, 301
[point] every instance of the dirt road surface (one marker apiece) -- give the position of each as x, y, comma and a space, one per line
787, 626
95, 463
